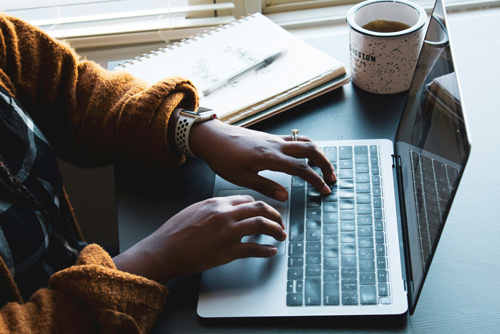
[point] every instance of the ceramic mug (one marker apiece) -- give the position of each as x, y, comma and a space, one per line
383, 62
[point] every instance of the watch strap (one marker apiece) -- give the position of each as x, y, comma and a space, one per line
182, 130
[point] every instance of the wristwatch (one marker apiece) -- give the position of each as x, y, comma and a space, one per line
186, 120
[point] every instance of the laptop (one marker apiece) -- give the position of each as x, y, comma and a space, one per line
366, 248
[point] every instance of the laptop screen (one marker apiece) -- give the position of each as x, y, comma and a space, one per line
432, 146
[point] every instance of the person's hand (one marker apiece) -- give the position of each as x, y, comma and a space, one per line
238, 154
204, 235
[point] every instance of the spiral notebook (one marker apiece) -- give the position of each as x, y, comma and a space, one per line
300, 74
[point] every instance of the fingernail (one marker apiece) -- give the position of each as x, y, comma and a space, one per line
334, 177
280, 195
326, 189
274, 251
283, 237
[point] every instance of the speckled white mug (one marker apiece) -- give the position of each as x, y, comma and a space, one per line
382, 62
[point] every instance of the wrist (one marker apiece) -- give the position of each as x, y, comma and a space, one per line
205, 136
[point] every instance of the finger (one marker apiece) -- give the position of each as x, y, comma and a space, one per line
266, 187
294, 166
250, 249
238, 199
256, 209
310, 151
299, 138
260, 225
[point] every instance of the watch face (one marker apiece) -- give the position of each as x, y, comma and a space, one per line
189, 113
193, 113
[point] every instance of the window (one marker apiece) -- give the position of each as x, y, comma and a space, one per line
277, 6
105, 21
89, 23
297, 13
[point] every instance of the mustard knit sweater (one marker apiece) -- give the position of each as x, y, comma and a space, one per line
91, 117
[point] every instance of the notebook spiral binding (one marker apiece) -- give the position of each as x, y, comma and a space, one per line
188, 40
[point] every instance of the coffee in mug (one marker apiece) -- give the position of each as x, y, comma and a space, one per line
385, 39
385, 26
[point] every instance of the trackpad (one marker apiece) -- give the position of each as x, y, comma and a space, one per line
282, 208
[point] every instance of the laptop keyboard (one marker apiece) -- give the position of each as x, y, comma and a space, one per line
433, 183
337, 243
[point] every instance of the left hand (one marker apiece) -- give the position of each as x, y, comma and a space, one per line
238, 154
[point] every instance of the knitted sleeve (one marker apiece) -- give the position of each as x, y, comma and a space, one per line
89, 297
91, 116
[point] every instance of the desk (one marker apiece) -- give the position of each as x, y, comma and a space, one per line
461, 292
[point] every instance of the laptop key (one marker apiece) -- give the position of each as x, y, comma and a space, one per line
349, 298
360, 168
383, 290
345, 173
345, 152
294, 299
330, 240
296, 262
330, 229
313, 247
344, 204
366, 266
346, 193
330, 207
348, 261
331, 264
298, 182
331, 276
297, 208
295, 274
363, 178
346, 184
313, 291
313, 258
368, 294
365, 220
313, 270
346, 164
331, 218
349, 285
296, 248
360, 150
331, 153
363, 198
313, 224
361, 159
366, 278
331, 294
363, 188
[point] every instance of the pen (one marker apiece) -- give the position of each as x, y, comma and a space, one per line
254, 67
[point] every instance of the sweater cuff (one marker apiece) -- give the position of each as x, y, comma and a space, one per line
117, 299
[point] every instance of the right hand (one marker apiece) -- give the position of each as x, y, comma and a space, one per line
202, 236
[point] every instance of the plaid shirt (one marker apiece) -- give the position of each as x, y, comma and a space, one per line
32, 245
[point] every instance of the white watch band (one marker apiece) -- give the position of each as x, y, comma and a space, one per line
183, 128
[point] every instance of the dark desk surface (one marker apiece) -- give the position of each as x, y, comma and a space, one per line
461, 294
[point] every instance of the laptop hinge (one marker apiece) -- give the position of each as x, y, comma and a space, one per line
400, 205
